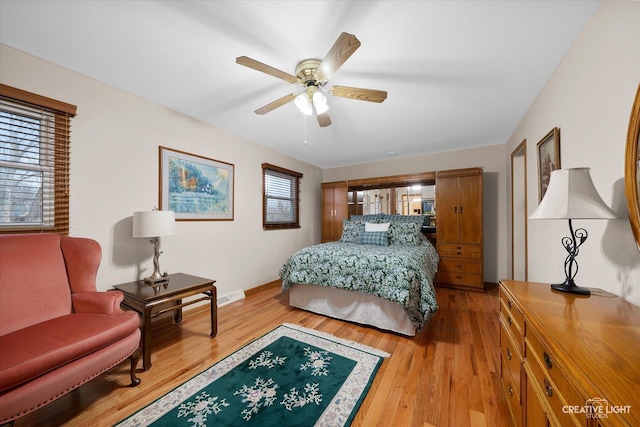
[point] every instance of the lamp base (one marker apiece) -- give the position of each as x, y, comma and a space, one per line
570, 287
156, 279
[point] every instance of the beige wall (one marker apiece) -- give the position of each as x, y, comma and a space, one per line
589, 97
490, 158
114, 172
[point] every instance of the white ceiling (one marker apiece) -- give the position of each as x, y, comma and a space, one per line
459, 74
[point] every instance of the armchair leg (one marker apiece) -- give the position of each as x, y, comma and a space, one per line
134, 365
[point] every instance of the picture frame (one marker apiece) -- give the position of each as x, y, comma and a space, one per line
196, 188
548, 159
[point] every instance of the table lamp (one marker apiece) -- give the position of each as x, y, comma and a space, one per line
572, 195
153, 224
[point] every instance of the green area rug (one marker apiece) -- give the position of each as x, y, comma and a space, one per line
292, 376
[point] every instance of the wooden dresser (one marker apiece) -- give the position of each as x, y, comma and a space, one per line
567, 359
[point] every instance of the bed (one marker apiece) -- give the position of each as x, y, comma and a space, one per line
380, 273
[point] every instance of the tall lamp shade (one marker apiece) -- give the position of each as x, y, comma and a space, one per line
572, 195
152, 225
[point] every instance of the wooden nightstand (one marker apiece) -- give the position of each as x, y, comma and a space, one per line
145, 298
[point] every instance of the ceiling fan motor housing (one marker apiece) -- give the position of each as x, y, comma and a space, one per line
307, 72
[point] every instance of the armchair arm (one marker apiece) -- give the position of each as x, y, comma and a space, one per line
97, 302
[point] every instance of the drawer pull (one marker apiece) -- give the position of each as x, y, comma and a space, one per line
459, 277
458, 253
509, 320
509, 355
548, 390
458, 265
510, 390
509, 304
547, 360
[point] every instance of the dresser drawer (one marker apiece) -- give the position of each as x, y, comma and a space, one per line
512, 320
460, 279
460, 251
550, 377
513, 399
457, 266
548, 392
511, 361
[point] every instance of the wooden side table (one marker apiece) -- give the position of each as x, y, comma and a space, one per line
144, 298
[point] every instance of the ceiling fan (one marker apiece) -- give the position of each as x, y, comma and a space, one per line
313, 74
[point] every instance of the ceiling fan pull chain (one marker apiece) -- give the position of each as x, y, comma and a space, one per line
305, 128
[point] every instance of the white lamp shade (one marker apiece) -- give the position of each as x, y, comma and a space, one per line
154, 223
572, 195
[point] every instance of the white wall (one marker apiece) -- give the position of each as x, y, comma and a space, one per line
114, 172
589, 97
490, 158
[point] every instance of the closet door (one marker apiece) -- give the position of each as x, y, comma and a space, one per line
334, 210
469, 209
446, 209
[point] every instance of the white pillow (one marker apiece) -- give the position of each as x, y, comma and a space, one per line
369, 226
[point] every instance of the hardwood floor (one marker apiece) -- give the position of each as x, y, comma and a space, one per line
447, 375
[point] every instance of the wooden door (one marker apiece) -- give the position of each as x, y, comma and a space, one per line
470, 209
334, 210
340, 210
446, 209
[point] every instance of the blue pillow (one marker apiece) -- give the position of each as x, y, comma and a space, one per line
378, 238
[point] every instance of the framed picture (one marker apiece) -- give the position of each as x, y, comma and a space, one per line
548, 159
196, 188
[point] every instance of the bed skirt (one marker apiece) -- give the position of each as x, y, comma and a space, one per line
352, 306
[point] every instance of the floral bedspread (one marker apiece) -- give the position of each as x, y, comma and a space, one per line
403, 274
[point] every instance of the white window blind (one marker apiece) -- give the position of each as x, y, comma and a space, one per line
280, 197
34, 163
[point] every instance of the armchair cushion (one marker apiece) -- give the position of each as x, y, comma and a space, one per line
38, 349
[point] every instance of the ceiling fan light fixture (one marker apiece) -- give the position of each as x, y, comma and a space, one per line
303, 102
320, 102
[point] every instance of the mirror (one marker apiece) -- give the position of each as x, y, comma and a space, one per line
632, 164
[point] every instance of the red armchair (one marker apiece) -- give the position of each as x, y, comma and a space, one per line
56, 331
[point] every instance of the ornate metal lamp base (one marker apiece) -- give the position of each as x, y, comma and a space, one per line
570, 287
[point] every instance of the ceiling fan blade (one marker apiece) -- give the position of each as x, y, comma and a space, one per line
370, 95
324, 120
267, 69
342, 49
275, 104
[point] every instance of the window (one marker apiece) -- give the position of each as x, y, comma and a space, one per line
280, 196
34, 162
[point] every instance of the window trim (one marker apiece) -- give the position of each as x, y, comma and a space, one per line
266, 167
62, 114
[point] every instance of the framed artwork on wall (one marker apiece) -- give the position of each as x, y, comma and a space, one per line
548, 159
196, 188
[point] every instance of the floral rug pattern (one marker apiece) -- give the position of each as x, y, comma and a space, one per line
290, 376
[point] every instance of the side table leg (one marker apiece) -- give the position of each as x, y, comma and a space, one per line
214, 312
177, 315
146, 338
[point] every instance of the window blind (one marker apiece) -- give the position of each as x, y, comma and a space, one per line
280, 207
34, 162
